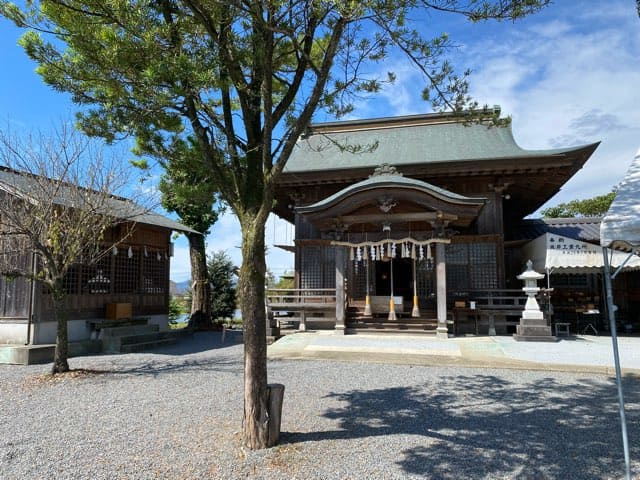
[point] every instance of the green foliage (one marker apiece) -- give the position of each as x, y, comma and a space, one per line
175, 309
590, 207
223, 291
285, 282
174, 75
232, 86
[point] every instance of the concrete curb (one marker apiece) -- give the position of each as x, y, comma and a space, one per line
479, 352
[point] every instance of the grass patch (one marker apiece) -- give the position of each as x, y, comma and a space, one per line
178, 325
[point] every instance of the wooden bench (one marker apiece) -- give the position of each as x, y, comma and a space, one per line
494, 309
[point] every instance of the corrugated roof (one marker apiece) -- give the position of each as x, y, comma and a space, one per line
586, 228
419, 139
26, 184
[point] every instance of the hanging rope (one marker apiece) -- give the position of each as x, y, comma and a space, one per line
388, 242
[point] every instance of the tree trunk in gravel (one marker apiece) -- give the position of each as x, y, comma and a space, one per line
200, 318
255, 424
61, 355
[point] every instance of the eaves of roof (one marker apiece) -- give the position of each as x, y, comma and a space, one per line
25, 184
410, 144
586, 229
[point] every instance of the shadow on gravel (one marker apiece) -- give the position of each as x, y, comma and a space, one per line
200, 342
488, 427
154, 369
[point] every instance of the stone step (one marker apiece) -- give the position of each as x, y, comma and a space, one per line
388, 326
389, 331
129, 330
400, 319
132, 342
150, 345
535, 322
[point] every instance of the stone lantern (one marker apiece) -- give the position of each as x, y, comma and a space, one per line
533, 326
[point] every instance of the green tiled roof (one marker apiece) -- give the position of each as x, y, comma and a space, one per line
329, 148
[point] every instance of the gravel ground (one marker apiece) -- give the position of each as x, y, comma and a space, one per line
176, 414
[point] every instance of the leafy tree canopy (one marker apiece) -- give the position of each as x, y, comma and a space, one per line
240, 80
223, 290
590, 207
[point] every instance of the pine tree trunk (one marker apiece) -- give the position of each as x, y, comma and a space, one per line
61, 355
200, 318
255, 425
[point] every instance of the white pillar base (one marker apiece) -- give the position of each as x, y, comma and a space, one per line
415, 312
442, 332
367, 306
492, 326
392, 311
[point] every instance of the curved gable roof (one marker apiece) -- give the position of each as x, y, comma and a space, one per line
387, 197
391, 181
416, 139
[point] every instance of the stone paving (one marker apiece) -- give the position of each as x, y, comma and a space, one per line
576, 353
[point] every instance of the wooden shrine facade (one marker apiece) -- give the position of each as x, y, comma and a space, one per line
134, 272
418, 213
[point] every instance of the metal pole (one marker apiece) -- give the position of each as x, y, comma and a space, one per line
616, 358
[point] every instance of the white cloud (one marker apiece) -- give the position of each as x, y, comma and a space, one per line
567, 82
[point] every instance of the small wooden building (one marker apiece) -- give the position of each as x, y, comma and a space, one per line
414, 213
131, 281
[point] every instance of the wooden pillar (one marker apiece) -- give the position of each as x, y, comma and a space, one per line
441, 292
303, 321
341, 269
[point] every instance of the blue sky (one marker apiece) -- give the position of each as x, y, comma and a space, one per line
567, 76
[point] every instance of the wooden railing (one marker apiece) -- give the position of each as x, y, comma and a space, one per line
495, 307
287, 296
301, 304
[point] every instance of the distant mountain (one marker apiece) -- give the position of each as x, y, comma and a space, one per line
179, 288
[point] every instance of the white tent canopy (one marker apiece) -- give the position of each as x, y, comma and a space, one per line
560, 254
620, 227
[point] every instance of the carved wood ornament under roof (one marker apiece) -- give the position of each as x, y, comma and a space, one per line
385, 169
386, 203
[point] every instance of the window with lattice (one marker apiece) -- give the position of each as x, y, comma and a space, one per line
358, 278
96, 278
318, 267
471, 266
127, 271
424, 277
311, 268
483, 266
457, 265
154, 272
71, 281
